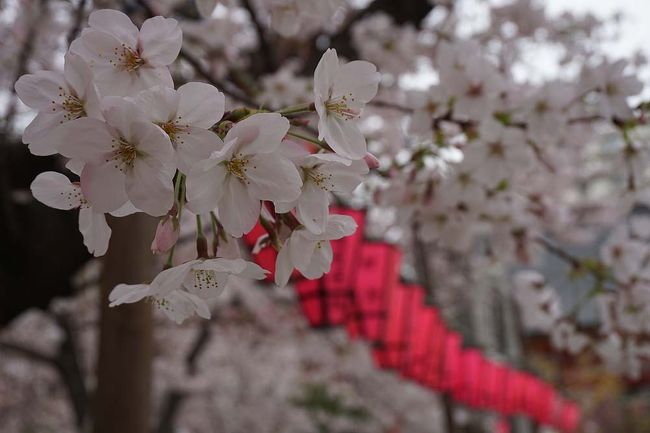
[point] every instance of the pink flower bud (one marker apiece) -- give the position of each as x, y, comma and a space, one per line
371, 160
166, 235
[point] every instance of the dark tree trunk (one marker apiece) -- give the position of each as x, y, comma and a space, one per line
123, 396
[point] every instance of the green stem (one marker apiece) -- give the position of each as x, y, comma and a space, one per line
316, 141
298, 109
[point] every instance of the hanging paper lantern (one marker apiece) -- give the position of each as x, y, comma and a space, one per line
569, 417
514, 392
328, 301
390, 350
452, 365
497, 389
435, 357
424, 320
468, 391
376, 275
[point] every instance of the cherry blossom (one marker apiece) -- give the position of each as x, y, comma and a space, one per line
186, 289
58, 98
186, 115
323, 173
126, 158
311, 253
249, 169
55, 190
340, 93
126, 60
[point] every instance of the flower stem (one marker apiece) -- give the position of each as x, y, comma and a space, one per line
316, 141
298, 109
201, 241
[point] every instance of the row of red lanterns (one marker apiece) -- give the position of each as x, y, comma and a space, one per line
362, 292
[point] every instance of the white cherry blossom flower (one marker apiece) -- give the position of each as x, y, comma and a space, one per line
248, 169
126, 158
565, 336
341, 92
126, 60
427, 105
311, 254
184, 290
55, 190
615, 87
186, 115
58, 98
323, 173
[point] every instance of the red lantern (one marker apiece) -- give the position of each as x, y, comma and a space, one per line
327, 301
569, 417
490, 389
390, 350
435, 357
424, 320
377, 274
469, 388
452, 366
497, 389
514, 392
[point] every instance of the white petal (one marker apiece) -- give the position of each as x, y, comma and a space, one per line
103, 186
116, 24
150, 187
84, 138
201, 105
37, 133
302, 250
325, 73
153, 76
259, 133
159, 104
128, 294
95, 231
313, 208
160, 40
126, 210
238, 210
125, 116
42, 91
205, 186
320, 263
171, 279
344, 137
339, 226
273, 177
77, 74
283, 267
194, 145
358, 81
55, 190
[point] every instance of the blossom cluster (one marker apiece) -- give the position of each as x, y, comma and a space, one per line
137, 144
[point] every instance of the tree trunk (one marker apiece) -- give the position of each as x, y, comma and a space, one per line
123, 395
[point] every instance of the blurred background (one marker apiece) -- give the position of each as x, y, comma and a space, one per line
257, 366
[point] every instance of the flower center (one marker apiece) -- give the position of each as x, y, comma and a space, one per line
74, 107
322, 180
127, 58
340, 108
124, 153
172, 129
496, 149
237, 166
205, 280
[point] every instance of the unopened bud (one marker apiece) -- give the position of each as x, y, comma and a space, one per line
166, 235
371, 160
